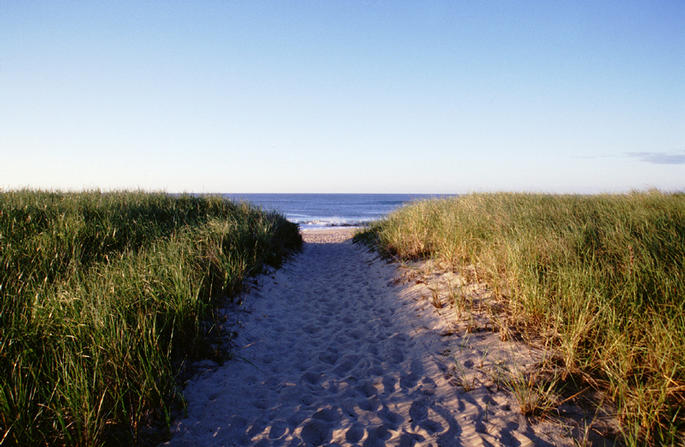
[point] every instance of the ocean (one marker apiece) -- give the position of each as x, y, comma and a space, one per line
331, 210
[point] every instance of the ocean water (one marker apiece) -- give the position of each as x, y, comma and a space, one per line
330, 210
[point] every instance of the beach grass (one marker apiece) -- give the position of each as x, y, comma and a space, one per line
600, 279
104, 296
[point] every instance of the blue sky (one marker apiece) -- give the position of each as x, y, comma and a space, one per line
343, 96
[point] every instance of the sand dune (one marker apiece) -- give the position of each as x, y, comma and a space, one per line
332, 349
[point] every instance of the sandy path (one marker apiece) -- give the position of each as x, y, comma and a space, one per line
331, 351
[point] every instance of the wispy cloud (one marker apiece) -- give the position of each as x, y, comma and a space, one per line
659, 158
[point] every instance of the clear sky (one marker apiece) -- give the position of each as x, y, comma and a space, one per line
343, 96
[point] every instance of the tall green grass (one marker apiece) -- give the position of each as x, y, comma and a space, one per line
104, 295
601, 277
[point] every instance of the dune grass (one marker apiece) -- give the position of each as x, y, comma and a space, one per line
102, 298
601, 278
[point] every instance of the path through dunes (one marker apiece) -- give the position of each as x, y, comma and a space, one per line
330, 350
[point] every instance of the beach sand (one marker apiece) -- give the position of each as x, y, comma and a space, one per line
328, 235
340, 347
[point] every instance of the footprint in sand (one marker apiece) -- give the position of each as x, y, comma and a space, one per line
329, 358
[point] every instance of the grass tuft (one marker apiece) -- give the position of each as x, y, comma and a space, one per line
602, 276
103, 297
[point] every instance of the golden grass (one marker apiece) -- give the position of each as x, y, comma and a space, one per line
602, 277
